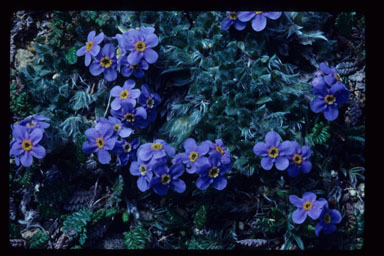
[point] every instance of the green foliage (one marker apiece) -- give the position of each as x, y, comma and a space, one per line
19, 102
14, 231
39, 240
320, 133
200, 217
71, 56
344, 23
137, 238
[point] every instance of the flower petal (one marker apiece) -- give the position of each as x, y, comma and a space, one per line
220, 182
134, 57
145, 152
203, 182
91, 35
190, 145
239, 25
176, 170
315, 212
160, 189
309, 196
296, 201
81, 51
96, 69
259, 22
151, 40
306, 166
87, 148
272, 15
286, 148
116, 104
226, 23
26, 159
272, 139
178, 185
267, 163
103, 156
328, 229
142, 184
293, 170
299, 216
36, 136
281, 163
317, 105
245, 16
99, 38
150, 56
319, 227
331, 112
110, 74
335, 216
38, 151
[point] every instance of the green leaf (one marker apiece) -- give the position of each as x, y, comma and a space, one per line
71, 56
263, 100
299, 241
200, 217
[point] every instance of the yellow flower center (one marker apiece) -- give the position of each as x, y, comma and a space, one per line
307, 206
26, 145
214, 172
150, 102
193, 156
117, 127
127, 147
233, 16
133, 66
273, 152
165, 179
118, 52
220, 149
327, 218
100, 142
124, 94
143, 169
297, 159
89, 46
129, 117
258, 12
31, 124
337, 76
105, 62
140, 46
157, 146
329, 99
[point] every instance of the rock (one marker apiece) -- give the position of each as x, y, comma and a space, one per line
29, 233
23, 58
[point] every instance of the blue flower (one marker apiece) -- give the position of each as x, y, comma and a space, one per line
218, 146
328, 219
91, 48
194, 155
25, 145
124, 94
232, 19
328, 99
100, 141
308, 205
117, 125
140, 44
331, 75
144, 171
259, 18
149, 101
137, 70
131, 116
213, 173
35, 121
273, 152
167, 178
126, 150
158, 149
298, 160
105, 62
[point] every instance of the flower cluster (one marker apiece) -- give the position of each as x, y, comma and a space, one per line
315, 209
159, 167
111, 134
132, 55
286, 154
27, 134
330, 92
240, 19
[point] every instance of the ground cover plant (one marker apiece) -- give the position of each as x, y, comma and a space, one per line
187, 130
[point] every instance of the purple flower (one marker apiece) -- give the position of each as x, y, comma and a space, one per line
298, 160
144, 171
25, 145
194, 155
259, 18
218, 146
140, 44
213, 173
117, 125
167, 178
331, 74
92, 47
105, 62
137, 70
120, 51
100, 140
126, 150
124, 94
149, 101
35, 121
232, 19
327, 99
273, 152
157, 150
308, 205
328, 219
131, 116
